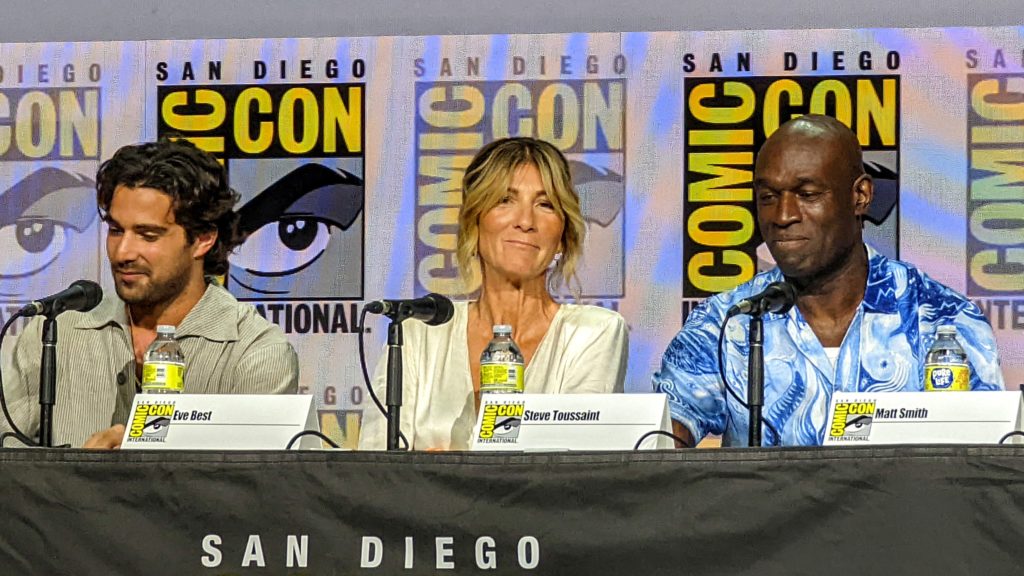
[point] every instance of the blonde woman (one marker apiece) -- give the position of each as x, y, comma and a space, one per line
520, 233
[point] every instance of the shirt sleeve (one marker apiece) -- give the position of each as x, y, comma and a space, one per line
689, 373
977, 339
271, 368
21, 383
603, 355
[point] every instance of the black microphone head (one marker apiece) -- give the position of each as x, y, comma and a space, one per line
444, 309
92, 294
783, 299
777, 297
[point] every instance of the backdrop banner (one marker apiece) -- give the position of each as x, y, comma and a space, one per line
348, 154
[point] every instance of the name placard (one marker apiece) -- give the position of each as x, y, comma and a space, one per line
219, 422
922, 417
536, 422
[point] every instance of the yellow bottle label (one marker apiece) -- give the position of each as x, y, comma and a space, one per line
947, 377
501, 378
168, 376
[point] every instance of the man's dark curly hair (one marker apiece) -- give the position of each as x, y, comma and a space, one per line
195, 181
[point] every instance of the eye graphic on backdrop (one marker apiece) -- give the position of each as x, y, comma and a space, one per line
40, 216
602, 195
291, 229
285, 246
31, 244
887, 193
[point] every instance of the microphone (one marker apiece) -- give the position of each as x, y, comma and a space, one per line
82, 295
778, 297
433, 309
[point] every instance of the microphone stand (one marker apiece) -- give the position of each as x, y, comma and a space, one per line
394, 387
755, 378
48, 380
432, 309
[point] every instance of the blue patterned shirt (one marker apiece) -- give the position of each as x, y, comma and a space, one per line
883, 351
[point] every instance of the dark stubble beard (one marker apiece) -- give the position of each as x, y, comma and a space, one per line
155, 293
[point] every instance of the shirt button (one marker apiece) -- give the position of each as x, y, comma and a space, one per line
121, 379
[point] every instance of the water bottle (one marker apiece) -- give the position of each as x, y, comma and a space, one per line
501, 364
163, 368
946, 367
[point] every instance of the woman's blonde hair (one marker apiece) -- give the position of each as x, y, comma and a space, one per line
487, 180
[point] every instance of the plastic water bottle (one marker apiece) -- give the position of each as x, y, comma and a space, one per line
501, 364
946, 367
163, 368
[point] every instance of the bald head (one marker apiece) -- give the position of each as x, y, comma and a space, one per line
812, 194
836, 140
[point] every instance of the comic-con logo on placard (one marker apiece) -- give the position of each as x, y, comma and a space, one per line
995, 195
49, 228
727, 120
851, 421
585, 119
151, 421
500, 422
295, 154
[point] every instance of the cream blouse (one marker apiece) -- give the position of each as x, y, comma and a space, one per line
585, 350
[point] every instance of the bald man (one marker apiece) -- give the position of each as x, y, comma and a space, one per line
861, 323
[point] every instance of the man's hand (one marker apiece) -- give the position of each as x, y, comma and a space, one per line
678, 429
109, 439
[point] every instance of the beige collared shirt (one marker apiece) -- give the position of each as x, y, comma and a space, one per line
228, 348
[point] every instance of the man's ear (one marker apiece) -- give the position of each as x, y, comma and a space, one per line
863, 194
203, 243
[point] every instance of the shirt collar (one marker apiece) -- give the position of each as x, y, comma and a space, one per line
880, 291
111, 310
211, 318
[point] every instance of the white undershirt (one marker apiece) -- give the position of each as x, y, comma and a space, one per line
833, 355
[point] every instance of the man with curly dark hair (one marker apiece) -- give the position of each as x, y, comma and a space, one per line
194, 182
171, 225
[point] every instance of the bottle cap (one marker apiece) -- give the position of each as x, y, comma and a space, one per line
502, 330
946, 329
165, 329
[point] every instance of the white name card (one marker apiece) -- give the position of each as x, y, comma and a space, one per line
535, 422
219, 422
922, 417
